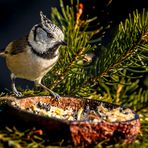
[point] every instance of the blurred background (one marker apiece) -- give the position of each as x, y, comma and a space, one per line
18, 16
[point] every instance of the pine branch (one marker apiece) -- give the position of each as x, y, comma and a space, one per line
70, 68
121, 60
124, 53
67, 69
121, 66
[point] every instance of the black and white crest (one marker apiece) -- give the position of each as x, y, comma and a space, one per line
45, 37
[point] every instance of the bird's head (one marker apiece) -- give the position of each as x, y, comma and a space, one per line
46, 35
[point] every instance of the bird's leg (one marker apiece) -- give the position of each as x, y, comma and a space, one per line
15, 91
56, 96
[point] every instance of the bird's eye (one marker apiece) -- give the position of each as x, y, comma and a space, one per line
50, 35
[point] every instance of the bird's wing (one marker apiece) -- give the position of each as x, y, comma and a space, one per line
17, 46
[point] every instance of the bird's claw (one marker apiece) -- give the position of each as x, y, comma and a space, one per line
18, 94
56, 96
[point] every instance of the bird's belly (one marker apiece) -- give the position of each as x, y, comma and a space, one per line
28, 66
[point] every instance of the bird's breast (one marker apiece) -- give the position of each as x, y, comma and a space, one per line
29, 66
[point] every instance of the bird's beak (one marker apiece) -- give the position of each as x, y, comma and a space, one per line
63, 43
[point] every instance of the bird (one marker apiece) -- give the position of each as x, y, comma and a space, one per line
32, 56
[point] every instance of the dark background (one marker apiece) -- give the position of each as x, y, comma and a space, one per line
18, 16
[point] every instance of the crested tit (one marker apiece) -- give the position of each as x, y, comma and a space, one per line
33, 55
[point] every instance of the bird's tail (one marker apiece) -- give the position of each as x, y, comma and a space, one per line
2, 53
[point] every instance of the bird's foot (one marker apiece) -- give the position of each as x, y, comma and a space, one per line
18, 94
56, 96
